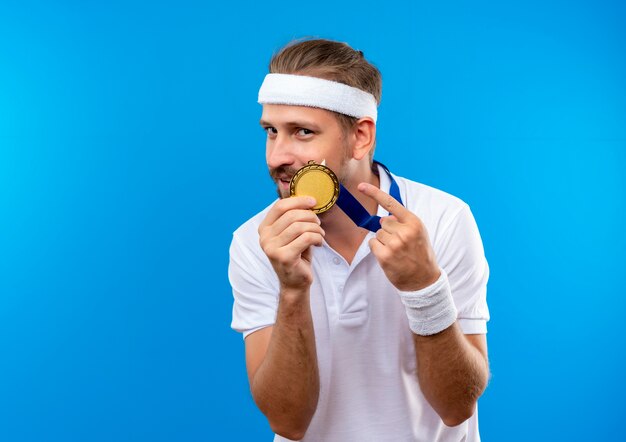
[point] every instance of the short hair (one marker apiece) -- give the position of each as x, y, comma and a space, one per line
330, 60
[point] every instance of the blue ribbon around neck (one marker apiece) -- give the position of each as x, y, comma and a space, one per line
357, 213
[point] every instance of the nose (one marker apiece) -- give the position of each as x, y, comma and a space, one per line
279, 152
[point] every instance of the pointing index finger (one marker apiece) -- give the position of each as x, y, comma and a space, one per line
385, 200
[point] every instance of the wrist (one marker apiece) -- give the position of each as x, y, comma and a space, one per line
430, 310
294, 295
425, 280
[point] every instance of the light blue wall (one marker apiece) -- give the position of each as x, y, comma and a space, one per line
130, 150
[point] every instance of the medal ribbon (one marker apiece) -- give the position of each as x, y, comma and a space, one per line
357, 213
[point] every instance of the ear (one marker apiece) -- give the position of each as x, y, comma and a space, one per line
364, 134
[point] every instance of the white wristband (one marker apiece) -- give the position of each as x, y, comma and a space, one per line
431, 309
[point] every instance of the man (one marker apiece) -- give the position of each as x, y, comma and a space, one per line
356, 334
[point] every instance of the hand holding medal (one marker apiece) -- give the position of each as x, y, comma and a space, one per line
286, 235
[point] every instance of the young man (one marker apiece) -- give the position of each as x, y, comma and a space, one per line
352, 333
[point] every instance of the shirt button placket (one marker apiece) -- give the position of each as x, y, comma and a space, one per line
339, 274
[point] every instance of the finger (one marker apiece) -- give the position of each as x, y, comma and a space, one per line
385, 200
294, 231
378, 249
284, 205
291, 217
296, 247
383, 236
390, 224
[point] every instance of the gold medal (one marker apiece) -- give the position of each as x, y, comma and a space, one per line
318, 181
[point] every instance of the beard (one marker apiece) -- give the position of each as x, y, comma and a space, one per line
282, 172
287, 172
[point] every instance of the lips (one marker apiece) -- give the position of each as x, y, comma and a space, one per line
284, 178
284, 183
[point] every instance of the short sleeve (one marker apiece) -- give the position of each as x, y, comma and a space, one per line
254, 284
460, 253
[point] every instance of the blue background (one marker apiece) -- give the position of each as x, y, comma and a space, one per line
130, 150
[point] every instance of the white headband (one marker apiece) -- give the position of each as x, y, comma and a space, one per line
299, 90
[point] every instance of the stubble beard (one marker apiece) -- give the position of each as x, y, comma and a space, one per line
287, 171
277, 173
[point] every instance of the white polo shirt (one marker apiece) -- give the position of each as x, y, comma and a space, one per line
366, 356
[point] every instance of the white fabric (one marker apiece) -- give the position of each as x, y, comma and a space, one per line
366, 356
301, 90
431, 309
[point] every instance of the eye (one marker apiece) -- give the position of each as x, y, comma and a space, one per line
302, 132
270, 131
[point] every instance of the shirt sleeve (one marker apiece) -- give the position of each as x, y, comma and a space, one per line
462, 256
254, 284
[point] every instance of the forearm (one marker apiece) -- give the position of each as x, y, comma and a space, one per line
286, 384
452, 373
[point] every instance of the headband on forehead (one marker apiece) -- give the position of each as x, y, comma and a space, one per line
299, 90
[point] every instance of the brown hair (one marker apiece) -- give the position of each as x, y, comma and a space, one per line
331, 60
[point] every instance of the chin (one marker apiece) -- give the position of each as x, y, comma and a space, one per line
282, 194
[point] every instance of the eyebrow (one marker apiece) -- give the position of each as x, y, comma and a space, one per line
305, 124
